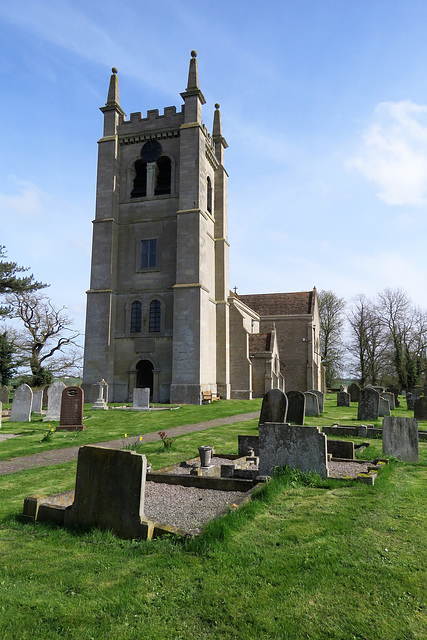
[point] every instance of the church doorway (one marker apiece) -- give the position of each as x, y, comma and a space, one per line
144, 375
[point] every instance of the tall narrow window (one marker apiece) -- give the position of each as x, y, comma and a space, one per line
135, 317
209, 194
140, 181
163, 184
148, 254
154, 319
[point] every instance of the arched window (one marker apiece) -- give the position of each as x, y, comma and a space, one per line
209, 194
155, 317
135, 317
140, 181
163, 184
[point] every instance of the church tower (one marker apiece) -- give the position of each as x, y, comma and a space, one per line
157, 310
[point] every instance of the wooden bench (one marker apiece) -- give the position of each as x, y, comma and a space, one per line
208, 397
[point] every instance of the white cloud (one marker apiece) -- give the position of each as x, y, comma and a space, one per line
394, 153
28, 203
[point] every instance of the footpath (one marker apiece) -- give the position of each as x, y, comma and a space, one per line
56, 456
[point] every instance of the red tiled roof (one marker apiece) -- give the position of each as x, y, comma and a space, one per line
259, 342
279, 304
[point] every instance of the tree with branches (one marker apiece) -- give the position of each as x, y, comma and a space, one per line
331, 312
367, 341
11, 282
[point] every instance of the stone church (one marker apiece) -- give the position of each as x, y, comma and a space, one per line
159, 310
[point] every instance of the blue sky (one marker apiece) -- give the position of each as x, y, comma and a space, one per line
324, 108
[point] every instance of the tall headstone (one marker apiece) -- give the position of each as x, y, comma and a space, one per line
71, 418
21, 405
354, 391
420, 408
54, 397
141, 399
383, 407
411, 397
400, 438
100, 402
4, 395
37, 401
296, 407
320, 398
369, 404
110, 491
391, 399
343, 399
311, 404
274, 407
299, 447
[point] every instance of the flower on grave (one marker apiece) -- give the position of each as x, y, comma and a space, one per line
126, 435
52, 429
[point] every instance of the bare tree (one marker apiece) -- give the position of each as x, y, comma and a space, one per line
47, 339
367, 340
331, 312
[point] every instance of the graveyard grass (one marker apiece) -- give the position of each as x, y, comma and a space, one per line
307, 559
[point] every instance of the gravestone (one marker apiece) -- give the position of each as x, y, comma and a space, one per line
341, 449
4, 395
110, 491
420, 408
295, 446
141, 399
100, 402
369, 404
54, 397
410, 400
71, 418
311, 404
296, 407
379, 389
391, 399
21, 405
274, 407
343, 399
320, 398
37, 401
354, 391
45, 390
400, 438
1, 411
383, 408
395, 392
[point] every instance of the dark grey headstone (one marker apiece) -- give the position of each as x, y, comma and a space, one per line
296, 407
354, 391
4, 395
320, 398
369, 404
341, 449
274, 407
343, 399
400, 438
420, 408
311, 404
410, 400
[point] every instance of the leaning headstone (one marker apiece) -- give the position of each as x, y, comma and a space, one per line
141, 399
296, 407
21, 405
71, 418
391, 399
395, 392
369, 404
37, 401
383, 407
274, 407
400, 438
100, 402
420, 408
311, 404
4, 395
354, 391
54, 397
343, 399
110, 491
320, 398
299, 447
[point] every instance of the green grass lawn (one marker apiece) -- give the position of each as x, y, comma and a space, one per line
323, 560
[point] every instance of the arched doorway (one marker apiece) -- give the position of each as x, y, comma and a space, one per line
144, 375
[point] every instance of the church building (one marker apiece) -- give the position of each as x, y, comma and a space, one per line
159, 310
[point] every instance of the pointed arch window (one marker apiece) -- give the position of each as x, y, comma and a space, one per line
154, 317
164, 173
140, 180
209, 194
136, 317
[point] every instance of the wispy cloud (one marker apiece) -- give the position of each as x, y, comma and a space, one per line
28, 201
394, 153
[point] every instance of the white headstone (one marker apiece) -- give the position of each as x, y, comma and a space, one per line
37, 401
141, 399
100, 402
54, 396
21, 405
